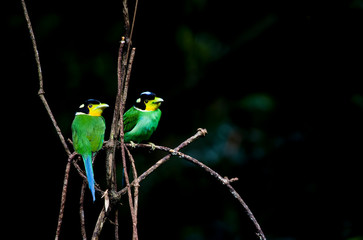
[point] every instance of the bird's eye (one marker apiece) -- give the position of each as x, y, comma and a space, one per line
146, 101
90, 106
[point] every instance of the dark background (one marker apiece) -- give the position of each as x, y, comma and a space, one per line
276, 83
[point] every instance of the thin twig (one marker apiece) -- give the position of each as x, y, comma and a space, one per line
110, 151
128, 32
136, 195
200, 133
99, 224
224, 180
117, 237
40, 76
129, 194
133, 20
41, 93
81, 211
123, 102
125, 11
117, 120
127, 80
63, 199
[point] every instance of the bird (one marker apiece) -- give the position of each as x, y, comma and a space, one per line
88, 130
142, 119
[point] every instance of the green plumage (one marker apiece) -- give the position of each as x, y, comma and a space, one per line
88, 135
139, 125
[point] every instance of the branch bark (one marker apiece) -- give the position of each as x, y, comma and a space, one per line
123, 73
223, 180
41, 93
200, 133
99, 224
81, 211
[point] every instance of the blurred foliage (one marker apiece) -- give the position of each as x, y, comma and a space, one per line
277, 85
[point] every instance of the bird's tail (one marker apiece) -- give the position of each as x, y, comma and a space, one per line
87, 159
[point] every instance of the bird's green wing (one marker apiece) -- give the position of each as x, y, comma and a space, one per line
130, 119
96, 133
88, 133
145, 125
81, 143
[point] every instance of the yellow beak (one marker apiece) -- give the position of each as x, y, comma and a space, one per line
158, 100
102, 106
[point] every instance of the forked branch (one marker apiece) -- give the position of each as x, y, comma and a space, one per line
123, 72
223, 180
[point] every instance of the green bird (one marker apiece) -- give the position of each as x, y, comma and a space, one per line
141, 120
88, 130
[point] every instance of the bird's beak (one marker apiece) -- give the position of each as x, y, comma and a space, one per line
102, 106
158, 100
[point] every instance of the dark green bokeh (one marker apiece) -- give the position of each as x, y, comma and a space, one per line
277, 85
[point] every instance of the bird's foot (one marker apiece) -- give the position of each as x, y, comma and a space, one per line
152, 146
133, 145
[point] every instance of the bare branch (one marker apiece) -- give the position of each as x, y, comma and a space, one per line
117, 237
46, 105
200, 133
99, 224
136, 196
40, 76
110, 151
223, 180
63, 199
81, 211
125, 61
129, 194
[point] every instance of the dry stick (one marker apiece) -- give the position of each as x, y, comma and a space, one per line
125, 11
129, 32
110, 151
81, 211
119, 109
113, 143
129, 194
40, 76
136, 191
64, 195
116, 197
99, 224
200, 133
41, 93
131, 204
136, 185
225, 181
116, 225
120, 82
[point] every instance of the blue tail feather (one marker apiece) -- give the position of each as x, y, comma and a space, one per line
87, 159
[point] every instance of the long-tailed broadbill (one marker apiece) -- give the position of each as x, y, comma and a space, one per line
141, 120
88, 130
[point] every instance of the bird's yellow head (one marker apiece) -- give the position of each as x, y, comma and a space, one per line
92, 107
148, 101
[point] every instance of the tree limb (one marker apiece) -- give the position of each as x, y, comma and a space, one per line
200, 133
116, 132
40, 76
223, 180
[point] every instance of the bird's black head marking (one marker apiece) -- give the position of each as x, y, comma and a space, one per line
84, 108
144, 98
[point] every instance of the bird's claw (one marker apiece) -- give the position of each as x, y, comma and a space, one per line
152, 146
133, 145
